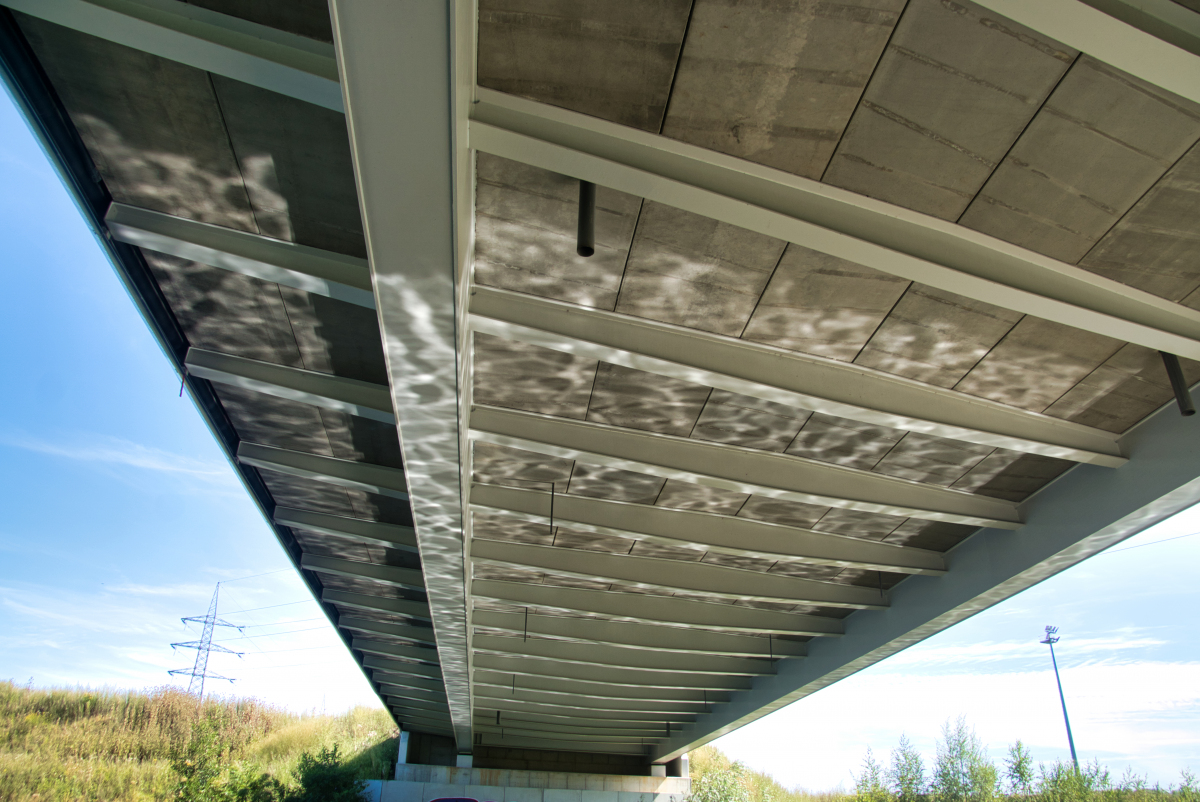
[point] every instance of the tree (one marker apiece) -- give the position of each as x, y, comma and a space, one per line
324, 778
869, 784
962, 770
906, 775
1018, 770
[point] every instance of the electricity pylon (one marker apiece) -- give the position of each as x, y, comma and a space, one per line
199, 671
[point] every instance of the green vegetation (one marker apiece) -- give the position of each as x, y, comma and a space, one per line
715, 778
963, 772
111, 746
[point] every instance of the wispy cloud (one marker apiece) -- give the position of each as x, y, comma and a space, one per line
117, 451
990, 652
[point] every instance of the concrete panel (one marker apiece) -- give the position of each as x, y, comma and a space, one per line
301, 187
613, 483
932, 535
857, 524
935, 336
152, 126
302, 17
512, 466
1048, 196
226, 312
750, 422
639, 400
504, 527
520, 376
776, 83
334, 336
1126, 388
1036, 363
953, 91
525, 234
613, 60
843, 442
687, 496
1012, 476
1153, 247
934, 460
782, 511
694, 271
819, 304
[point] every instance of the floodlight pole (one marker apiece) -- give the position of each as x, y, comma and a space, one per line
1050, 641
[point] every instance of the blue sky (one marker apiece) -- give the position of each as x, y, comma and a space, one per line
121, 514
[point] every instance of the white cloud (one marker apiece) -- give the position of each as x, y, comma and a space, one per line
115, 451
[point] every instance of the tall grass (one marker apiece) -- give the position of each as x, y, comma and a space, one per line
79, 744
742, 784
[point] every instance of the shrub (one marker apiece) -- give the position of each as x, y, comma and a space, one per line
324, 778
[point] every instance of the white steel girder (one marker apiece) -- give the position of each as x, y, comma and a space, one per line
785, 377
405, 608
636, 635
742, 470
352, 396
606, 655
256, 54
657, 609
720, 534
381, 479
407, 578
716, 581
838, 222
392, 536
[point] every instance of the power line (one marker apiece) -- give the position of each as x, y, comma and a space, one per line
280, 623
255, 576
1155, 543
270, 606
270, 634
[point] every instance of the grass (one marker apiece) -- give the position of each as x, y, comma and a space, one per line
114, 746
758, 787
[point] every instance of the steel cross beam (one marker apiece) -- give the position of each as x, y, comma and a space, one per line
392, 536
719, 581
354, 397
334, 275
421, 635
556, 724
720, 534
606, 655
872, 233
784, 377
405, 608
503, 692
597, 690
634, 635
385, 649
742, 470
407, 578
657, 609
629, 677
245, 51
375, 661
381, 479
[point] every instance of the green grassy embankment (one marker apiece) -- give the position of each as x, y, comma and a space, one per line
115, 746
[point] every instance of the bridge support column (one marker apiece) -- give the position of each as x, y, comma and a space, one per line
402, 756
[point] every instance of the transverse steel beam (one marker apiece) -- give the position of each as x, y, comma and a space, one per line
720, 534
785, 377
569, 711
742, 470
596, 690
422, 635
830, 220
636, 678
385, 664
334, 275
405, 608
245, 51
324, 390
638, 636
407, 578
392, 536
657, 609
720, 581
588, 702
381, 479
555, 724
396, 650
605, 655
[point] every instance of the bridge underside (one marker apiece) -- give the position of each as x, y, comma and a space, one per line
868, 343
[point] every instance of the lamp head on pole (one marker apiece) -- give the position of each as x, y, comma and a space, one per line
1050, 635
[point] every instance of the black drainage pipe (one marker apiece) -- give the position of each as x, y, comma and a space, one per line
1175, 373
587, 219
